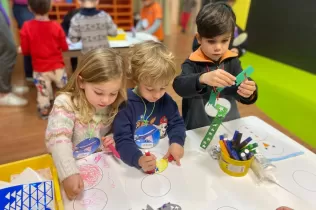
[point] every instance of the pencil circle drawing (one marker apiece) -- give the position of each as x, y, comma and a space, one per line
91, 175
92, 199
305, 180
253, 132
227, 208
156, 185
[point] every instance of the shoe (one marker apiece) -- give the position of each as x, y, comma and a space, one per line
11, 99
29, 79
43, 113
20, 90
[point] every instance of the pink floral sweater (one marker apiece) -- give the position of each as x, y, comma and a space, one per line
64, 131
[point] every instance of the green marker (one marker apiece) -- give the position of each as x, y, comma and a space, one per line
250, 147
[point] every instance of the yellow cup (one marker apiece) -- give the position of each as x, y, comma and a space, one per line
234, 167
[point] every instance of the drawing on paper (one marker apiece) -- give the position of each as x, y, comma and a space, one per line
270, 148
91, 175
305, 180
111, 181
92, 199
268, 144
227, 208
156, 185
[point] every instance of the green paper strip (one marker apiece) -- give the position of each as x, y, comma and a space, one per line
217, 121
239, 79
241, 76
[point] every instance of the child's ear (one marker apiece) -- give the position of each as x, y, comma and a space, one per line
198, 37
80, 82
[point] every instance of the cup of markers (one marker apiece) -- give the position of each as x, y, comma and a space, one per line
236, 156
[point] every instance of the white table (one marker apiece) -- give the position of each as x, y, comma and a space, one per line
130, 40
205, 186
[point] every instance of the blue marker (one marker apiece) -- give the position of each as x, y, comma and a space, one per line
244, 143
231, 151
235, 135
221, 137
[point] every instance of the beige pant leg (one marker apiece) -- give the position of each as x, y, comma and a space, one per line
43, 85
59, 76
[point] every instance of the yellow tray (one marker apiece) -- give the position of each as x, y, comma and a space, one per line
39, 162
121, 35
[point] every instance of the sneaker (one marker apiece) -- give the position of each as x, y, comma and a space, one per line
29, 79
20, 90
43, 113
12, 100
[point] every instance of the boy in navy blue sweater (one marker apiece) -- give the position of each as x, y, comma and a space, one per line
150, 113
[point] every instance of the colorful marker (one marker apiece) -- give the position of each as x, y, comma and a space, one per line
170, 158
244, 143
243, 156
250, 146
114, 151
246, 151
231, 151
250, 155
223, 147
235, 135
147, 153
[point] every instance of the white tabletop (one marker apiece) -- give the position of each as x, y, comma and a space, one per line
199, 183
130, 40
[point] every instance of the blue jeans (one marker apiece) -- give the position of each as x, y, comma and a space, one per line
22, 14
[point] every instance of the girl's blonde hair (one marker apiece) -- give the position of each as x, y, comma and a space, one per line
96, 66
152, 63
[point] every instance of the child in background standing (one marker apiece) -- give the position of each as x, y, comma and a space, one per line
22, 14
151, 19
212, 65
150, 113
85, 108
66, 25
44, 40
92, 26
188, 5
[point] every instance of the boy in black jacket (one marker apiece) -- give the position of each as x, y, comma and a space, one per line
212, 65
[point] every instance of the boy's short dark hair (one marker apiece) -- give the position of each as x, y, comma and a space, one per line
40, 7
215, 19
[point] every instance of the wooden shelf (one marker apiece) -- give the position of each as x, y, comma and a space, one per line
121, 11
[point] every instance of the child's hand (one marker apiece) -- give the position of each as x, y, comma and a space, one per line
73, 186
177, 151
106, 141
246, 88
217, 78
235, 50
284, 208
148, 163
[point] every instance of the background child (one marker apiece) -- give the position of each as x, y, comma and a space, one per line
66, 25
241, 49
150, 113
188, 5
92, 26
212, 65
151, 19
84, 109
7, 62
22, 13
44, 40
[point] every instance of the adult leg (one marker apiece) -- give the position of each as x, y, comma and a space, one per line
22, 14
7, 61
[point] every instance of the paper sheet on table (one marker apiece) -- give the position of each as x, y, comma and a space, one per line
102, 188
273, 144
298, 176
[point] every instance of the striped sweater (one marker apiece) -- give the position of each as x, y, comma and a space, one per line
92, 27
64, 131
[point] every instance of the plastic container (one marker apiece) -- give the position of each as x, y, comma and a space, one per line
234, 167
39, 162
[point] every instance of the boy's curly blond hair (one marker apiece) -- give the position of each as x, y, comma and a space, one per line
152, 64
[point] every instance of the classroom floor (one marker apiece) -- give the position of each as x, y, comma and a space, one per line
22, 132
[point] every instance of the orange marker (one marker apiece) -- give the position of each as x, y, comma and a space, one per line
223, 147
